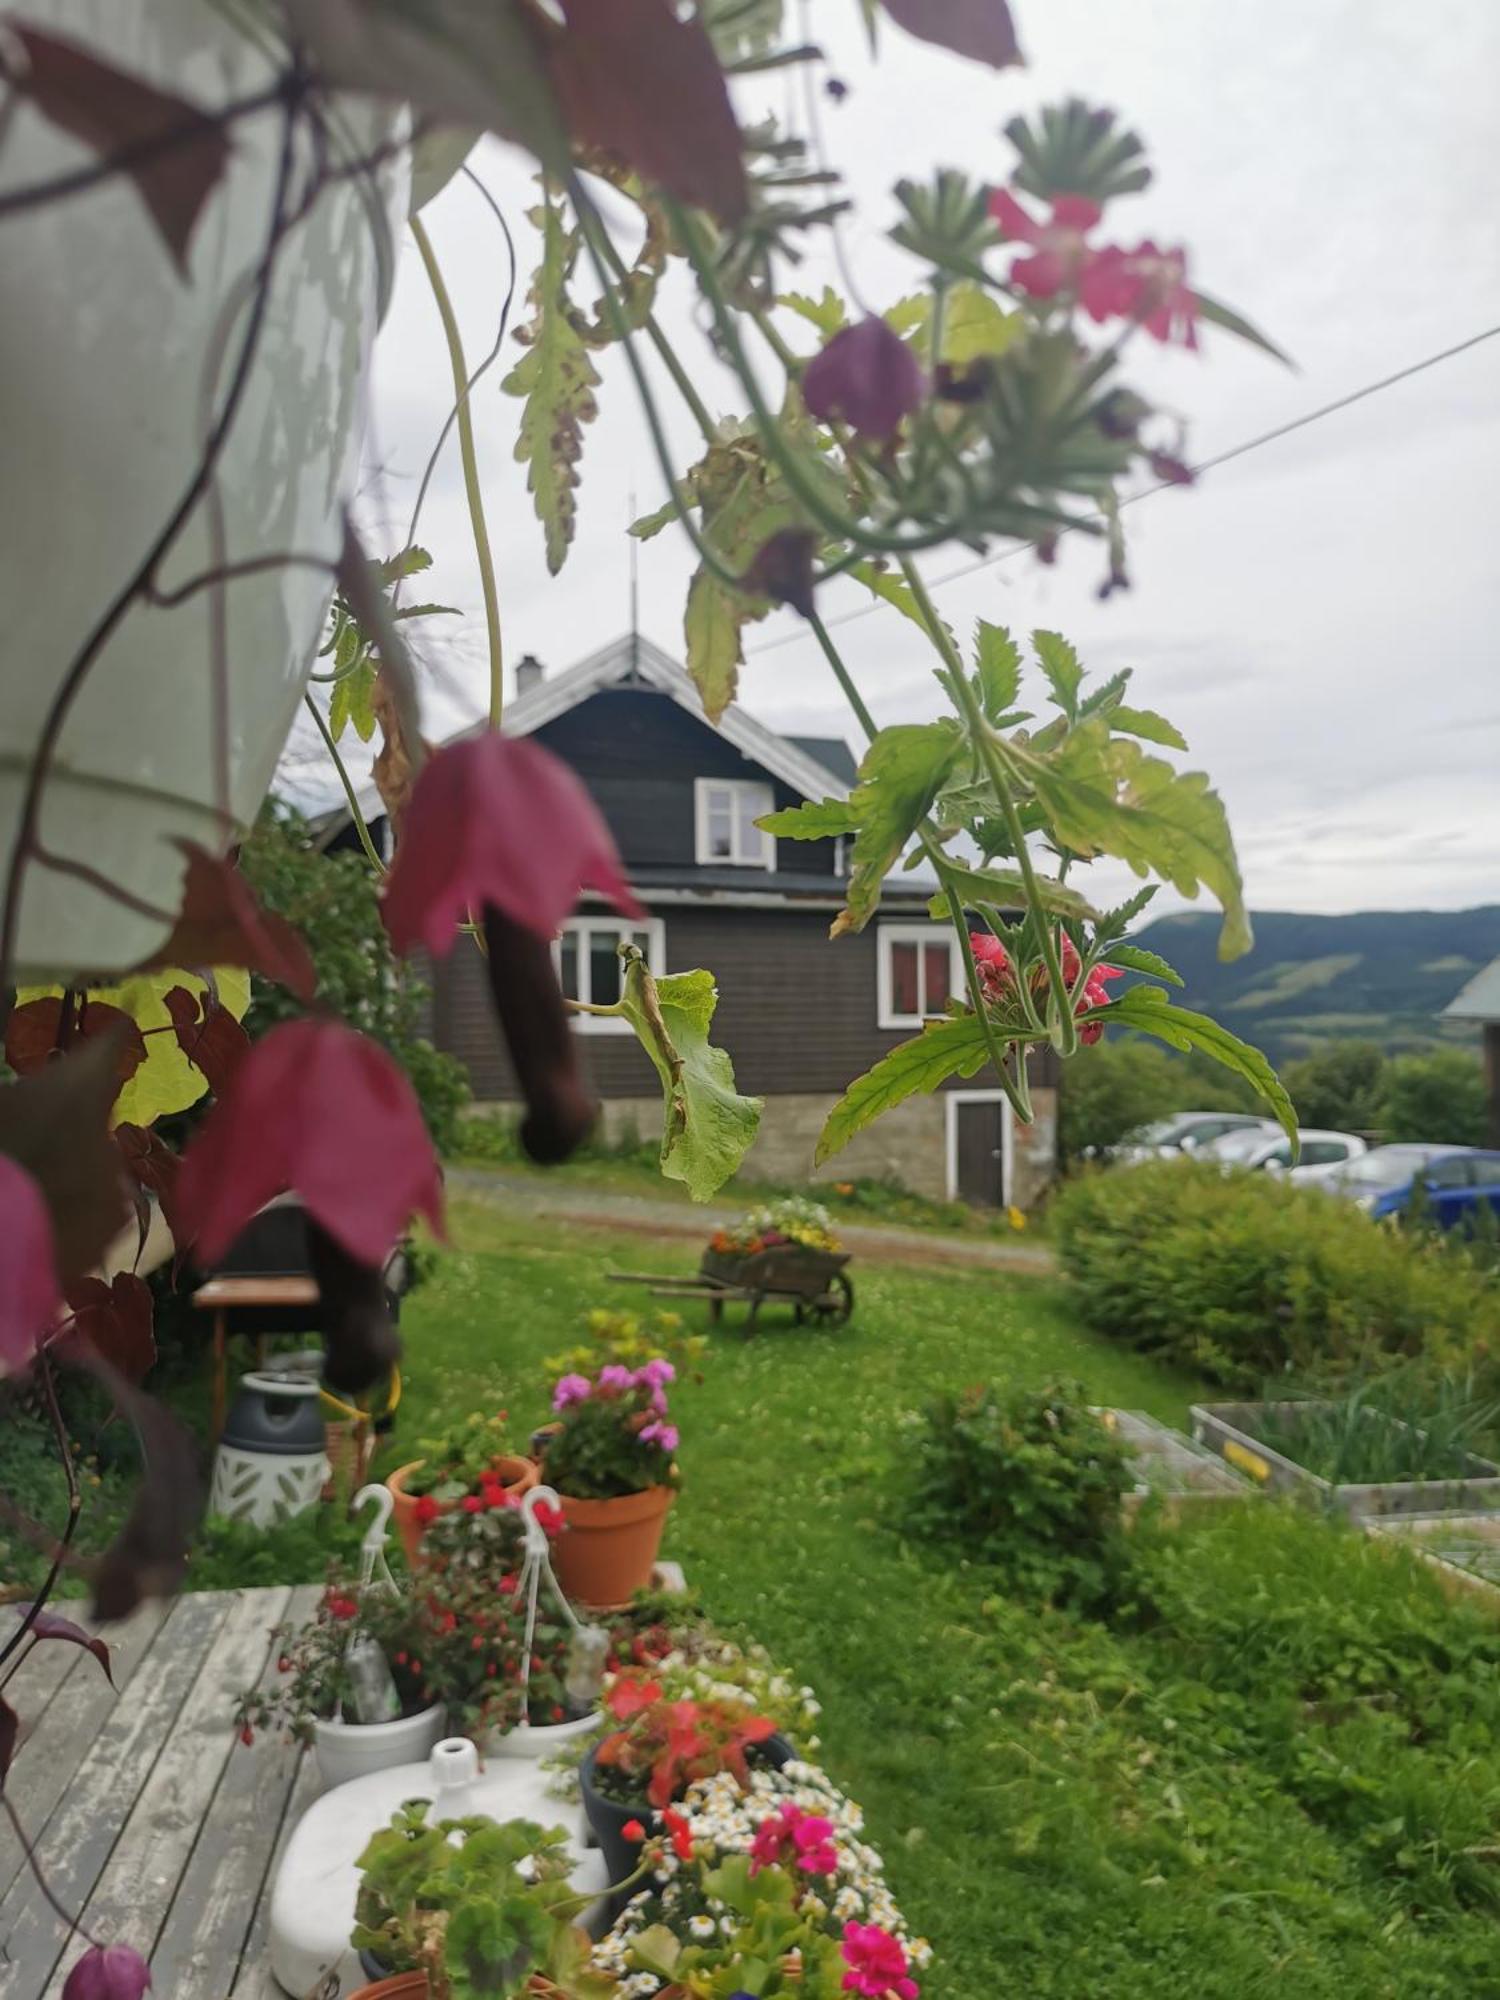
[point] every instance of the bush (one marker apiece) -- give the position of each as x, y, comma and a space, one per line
1032, 1482
1245, 1276
1113, 1088
1440, 1097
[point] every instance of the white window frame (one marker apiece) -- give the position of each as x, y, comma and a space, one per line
765, 802
885, 985
584, 929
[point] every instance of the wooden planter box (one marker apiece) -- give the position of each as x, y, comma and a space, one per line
1464, 1549
789, 1268
1232, 1430
1182, 1474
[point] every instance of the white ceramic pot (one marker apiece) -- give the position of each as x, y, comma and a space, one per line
346, 1750
111, 359
540, 1739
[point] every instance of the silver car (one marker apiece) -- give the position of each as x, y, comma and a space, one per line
1322, 1154
1187, 1132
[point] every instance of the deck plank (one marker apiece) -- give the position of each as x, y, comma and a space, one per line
137, 1887
256, 1981
228, 1875
75, 1845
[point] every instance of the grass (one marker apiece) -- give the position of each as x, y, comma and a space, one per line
1064, 1808
1365, 1437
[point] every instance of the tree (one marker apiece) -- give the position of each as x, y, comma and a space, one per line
331, 900
1112, 1088
1438, 1097
1341, 1088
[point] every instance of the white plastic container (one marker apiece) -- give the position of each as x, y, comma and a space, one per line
346, 1750
116, 364
539, 1739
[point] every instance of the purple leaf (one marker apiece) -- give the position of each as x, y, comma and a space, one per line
981, 29
28, 1272
866, 376
49, 1625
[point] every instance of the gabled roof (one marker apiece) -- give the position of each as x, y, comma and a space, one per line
636, 662
1480, 999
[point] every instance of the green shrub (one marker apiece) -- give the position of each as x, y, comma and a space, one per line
1030, 1481
1246, 1276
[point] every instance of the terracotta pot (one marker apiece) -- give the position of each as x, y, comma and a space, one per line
608, 1548
518, 1475
404, 1986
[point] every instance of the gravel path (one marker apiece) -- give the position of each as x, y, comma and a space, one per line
597, 1208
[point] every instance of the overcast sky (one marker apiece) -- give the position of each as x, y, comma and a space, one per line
1320, 617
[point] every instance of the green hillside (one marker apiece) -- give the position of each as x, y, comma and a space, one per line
1381, 976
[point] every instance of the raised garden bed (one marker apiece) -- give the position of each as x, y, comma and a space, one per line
1242, 1434
1183, 1474
1464, 1549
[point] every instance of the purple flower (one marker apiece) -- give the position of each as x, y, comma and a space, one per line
108, 1972
615, 1380
868, 376
571, 1389
657, 1373
663, 1434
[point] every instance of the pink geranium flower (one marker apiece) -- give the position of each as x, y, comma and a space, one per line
615, 1380
1060, 252
997, 979
663, 1434
571, 1389
877, 1964
1146, 284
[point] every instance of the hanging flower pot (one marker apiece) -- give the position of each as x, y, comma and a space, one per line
346, 1750
412, 1511
184, 403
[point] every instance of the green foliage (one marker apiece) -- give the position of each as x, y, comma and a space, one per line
1246, 1276
1030, 1481
234, 1555
1397, 1428
331, 899
1340, 1088
707, 1125
1149, 1009
1439, 1096
454, 1460
900, 776
1114, 1087
1077, 148
955, 1047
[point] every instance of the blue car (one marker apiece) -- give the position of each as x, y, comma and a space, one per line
1456, 1179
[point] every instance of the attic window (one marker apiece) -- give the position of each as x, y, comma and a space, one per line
727, 836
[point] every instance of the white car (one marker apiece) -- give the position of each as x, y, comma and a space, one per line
1187, 1132
1322, 1155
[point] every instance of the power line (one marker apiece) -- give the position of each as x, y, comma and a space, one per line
1204, 465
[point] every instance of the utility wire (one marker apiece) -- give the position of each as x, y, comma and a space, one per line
1204, 465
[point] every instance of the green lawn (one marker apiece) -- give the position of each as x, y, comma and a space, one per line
1066, 1810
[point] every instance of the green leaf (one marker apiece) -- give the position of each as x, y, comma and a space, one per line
827, 313
352, 700
410, 561
1115, 923
1135, 958
820, 820
998, 658
1061, 666
557, 380
712, 624
899, 778
1007, 887
954, 1047
1104, 795
976, 325
652, 524
1233, 322
426, 611
1145, 722
1151, 1012
707, 1126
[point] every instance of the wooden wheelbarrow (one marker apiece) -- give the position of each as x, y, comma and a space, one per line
815, 1283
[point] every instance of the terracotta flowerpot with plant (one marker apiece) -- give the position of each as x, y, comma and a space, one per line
610, 1460
469, 1458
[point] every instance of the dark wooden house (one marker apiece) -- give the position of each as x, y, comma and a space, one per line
801, 1015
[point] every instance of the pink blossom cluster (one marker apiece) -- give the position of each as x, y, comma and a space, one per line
1147, 284
997, 979
613, 1381
801, 1837
877, 1964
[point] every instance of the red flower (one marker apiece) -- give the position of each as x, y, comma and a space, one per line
630, 1694
867, 376
1061, 256
341, 1606
508, 1584
426, 1510
400, 1659
557, 1711
552, 1519
471, 1503
681, 1833
1145, 284
247, 1734
997, 979
498, 820
633, 1831
318, 1108
876, 1962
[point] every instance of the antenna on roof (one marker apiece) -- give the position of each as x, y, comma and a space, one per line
635, 600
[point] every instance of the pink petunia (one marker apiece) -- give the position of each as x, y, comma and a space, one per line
656, 1373
108, 1972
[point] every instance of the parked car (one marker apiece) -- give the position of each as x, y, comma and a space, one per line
1186, 1132
1321, 1153
1456, 1180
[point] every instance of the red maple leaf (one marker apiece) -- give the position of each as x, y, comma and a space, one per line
34, 1033
208, 1035
325, 1111
115, 1316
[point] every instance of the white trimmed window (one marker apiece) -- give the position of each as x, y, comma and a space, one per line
919, 969
587, 955
726, 810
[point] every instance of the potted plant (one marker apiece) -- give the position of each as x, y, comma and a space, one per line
660, 1747
468, 1458
610, 1459
470, 1909
794, 1223
352, 1682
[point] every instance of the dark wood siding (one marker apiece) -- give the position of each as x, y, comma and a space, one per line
797, 1011
639, 752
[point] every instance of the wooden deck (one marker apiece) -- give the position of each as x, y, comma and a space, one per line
147, 1813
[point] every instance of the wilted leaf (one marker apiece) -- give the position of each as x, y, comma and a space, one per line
28, 1274
707, 1126
543, 1051
650, 525
10, 1729
32, 1032
208, 1035
50, 1625
55, 1125
823, 820
498, 821
641, 81
955, 1047
980, 29
898, 780
222, 923
1150, 1011
712, 624
175, 152
392, 767
998, 659
116, 1319
557, 380
782, 569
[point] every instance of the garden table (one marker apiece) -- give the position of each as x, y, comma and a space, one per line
146, 1811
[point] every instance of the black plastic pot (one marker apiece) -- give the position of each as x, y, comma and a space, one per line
609, 1819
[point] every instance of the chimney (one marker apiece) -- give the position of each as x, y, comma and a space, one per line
528, 674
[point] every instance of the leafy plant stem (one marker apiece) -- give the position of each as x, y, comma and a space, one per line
470, 458
75, 1505
665, 351
359, 819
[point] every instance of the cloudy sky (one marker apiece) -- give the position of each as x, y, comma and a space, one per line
1318, 617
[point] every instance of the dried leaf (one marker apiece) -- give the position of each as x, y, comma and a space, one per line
529, 1005
50, 1625
783, 569
10, 1729
361, 1345
221, 923
392, 766
32, 1034
209, 1036
153, 1166
116, 1319
28, 1275
56, 1126
980, 29
639, 80
174, 151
